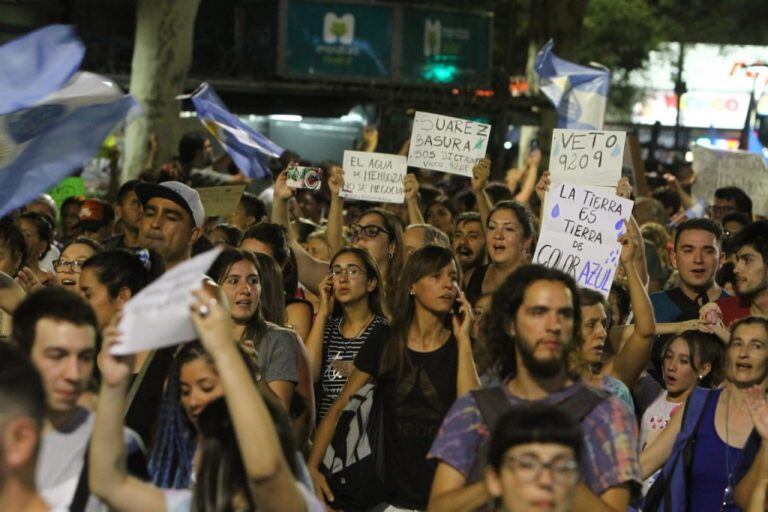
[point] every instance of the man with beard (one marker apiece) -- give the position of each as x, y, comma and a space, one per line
198, 166
469, 242
22, 409
534, 317
751, 246
697, 255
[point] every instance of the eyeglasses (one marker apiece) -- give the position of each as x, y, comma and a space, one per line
722, 210
74, 266
528, 469
351, 271
367, 232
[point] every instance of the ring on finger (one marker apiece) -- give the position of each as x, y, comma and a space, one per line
203, 311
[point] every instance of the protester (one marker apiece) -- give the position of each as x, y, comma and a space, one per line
531, 327
281, 357
509, 237
225, 235
351, 313
129, 211
696, 257
469, 243
96, 220
751, 247
70, 216
69, 265
38, 233
59, 332
693, 358
417, 236
22, 412
250, 211
245, 449
730, 200
419, 370
172, 220
270, 238
725, 442
533, 460
440, 213
197, 164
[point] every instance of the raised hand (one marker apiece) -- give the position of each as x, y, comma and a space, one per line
335, 180
115, 370
411, 187
28, 280
211, 319
628, 243
624, 188
480, 173
757, 406
282, 190
542, 187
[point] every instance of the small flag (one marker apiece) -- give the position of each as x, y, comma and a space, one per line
247, 147
37, 64
579, 93
43, 143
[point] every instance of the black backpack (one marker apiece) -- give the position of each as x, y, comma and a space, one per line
493, 404
353, 464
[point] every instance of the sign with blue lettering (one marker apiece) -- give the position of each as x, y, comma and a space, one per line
375, 177
579, 234
587, 157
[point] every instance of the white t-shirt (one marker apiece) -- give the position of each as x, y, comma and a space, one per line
655, 419
61, 458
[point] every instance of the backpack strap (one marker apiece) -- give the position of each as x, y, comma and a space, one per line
578, 405
492, 403
80, 498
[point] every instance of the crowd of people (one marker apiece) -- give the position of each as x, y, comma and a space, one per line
386, 357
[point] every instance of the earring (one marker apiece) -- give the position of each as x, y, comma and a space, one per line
391, 255
701, 376
411, 292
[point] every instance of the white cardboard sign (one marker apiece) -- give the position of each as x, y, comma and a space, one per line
587, 157
375, 177
579, 232
447, 144
158, 316
716, 168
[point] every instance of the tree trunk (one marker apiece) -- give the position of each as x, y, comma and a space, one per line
161, 57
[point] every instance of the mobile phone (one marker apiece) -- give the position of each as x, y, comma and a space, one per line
304, 177
456, 310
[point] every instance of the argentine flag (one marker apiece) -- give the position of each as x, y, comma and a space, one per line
579, 93
247, 147
45, 140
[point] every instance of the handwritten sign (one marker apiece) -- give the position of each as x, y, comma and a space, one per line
220, 201
158, 316
716, 168
587, 157
447, 144
579, 233
374, 177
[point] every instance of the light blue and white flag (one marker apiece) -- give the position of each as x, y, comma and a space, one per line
579, 93
37, 64
247, 147
43, 143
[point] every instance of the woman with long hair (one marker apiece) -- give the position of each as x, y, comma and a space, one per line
724, 441
70, 262
693, 358
281, 356
350, 313
38, 232
245, 458
508, 237
419, 370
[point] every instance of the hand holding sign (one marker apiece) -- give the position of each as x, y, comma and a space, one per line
480, 173
587, 157
335, 180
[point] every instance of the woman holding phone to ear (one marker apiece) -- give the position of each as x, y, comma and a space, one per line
419, 369
350, 313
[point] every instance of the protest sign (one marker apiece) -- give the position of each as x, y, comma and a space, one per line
716, 168
447, 144
220, 201
374, 177
68, 187
158, 316
587, 157
579, 233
